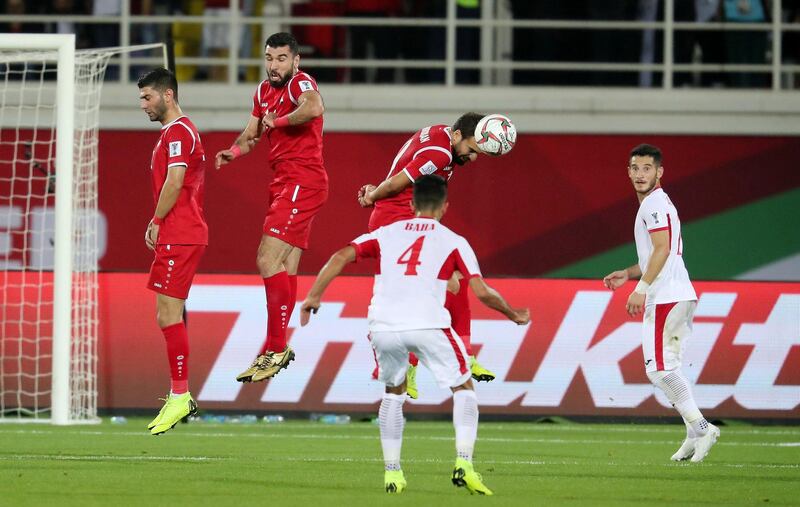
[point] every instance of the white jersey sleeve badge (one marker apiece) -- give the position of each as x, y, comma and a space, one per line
174, 149
428, 168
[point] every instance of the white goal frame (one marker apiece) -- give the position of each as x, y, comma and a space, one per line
62, 268
63, 47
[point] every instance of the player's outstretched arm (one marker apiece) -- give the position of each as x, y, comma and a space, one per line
243, 144
491, 298
387, 188
329, 271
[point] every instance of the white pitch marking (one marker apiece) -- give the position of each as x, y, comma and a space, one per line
325, 436
79, 457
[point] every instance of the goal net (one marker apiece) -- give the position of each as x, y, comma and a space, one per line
49, 243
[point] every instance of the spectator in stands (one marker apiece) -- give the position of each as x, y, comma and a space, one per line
105, 35
216, 41
791, 41
69, 8
746, 47
429, 43
612, 46
378, 42
424, 42
468, 41
531, 44
19, 8
692, 46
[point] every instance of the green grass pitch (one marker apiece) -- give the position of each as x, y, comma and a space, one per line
311, 464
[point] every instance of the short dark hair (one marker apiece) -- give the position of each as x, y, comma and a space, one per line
467, 123
647, 150
430, 192
161, 79
280, 39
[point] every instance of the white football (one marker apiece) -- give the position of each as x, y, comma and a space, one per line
495, 134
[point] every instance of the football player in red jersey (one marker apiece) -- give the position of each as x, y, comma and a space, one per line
287, 109
436, 149
177, 233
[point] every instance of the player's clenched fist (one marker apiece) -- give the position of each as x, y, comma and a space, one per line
521, 316
363, 194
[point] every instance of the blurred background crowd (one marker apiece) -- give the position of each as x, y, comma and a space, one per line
99, 23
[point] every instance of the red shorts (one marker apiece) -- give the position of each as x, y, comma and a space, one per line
173, 269
292, 209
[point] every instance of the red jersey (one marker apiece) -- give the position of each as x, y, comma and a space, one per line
295, 151
429, 151
180, 144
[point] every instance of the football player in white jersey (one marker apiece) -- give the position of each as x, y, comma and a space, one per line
417, 257
666, 294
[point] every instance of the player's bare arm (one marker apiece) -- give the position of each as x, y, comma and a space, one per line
387, 188
245, 142
491, 298
617, 279
329, 271
655, 264
166, 200
309, 106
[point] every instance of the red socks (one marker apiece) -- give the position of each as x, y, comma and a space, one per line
292, 293
178, 355
460, 313
280, 303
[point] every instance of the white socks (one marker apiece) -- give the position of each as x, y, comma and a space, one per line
465, 421
390, 417
679, 393
690, 433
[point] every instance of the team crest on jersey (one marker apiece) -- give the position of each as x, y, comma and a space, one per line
428, 168
655, 216
174, 148
306, 86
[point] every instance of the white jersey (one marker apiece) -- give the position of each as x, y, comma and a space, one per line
416, 258
657, 213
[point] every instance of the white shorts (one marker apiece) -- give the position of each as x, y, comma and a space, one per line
440, 350
665, 329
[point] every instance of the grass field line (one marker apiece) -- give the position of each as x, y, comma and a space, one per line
79, 457
601, 428
482, 462
524, 427
407, 436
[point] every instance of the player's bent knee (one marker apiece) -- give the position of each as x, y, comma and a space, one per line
167, 318
169, 310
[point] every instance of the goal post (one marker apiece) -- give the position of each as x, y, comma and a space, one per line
49, 123
64, 47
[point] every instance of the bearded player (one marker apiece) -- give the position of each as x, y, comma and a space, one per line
287, 108
437, 149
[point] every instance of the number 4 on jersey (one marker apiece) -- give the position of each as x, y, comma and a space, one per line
411, 257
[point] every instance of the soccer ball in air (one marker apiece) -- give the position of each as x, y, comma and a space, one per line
495, 134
